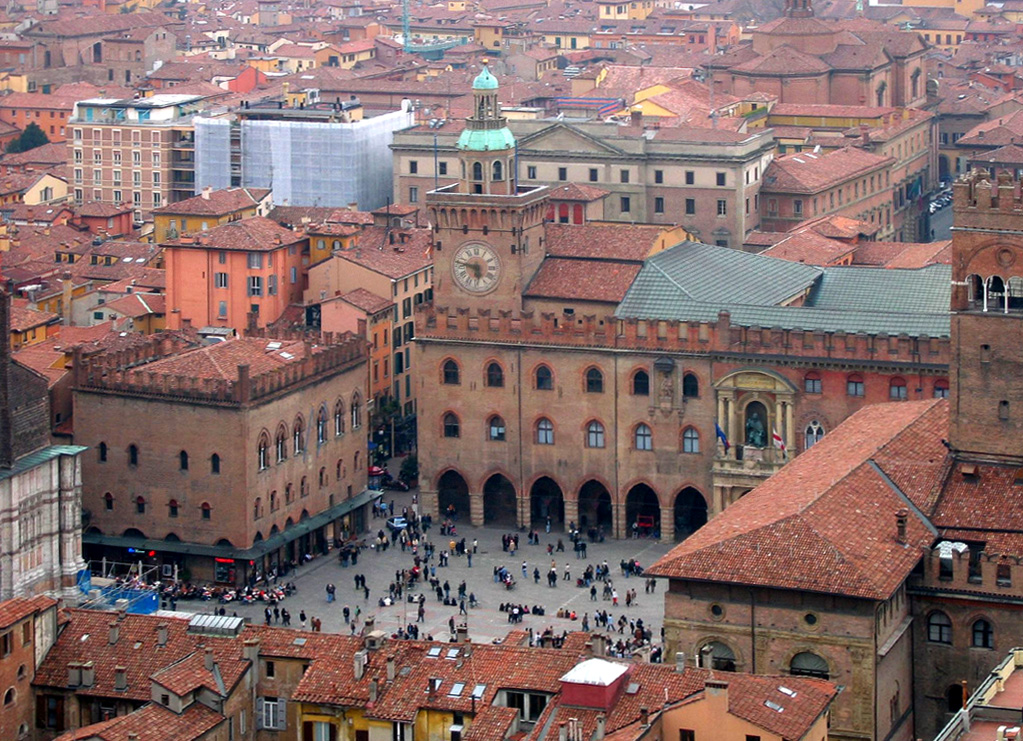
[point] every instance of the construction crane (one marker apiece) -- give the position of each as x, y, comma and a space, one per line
406, 35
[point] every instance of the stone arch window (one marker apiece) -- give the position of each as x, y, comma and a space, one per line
215, 464
452, 427
140, 505
338, 470
477, 171
983, 634
183, 460
1003, 410
102, 448
495, 375
897, 389
813, 433
643, 437
257, 508
263, 451
544, 378
719, 656
498, 170
594, 381
303, 487
690, 440
133, 455
355, 461
495, 428
298, 435
941, 388
108, 501
809, 664
339, 418
207, 511
450, 373
690, 386
641, 383
855, 386
939, 628
289, 495
544, 432
282, 444
812, 383
9, 697
172, 508
22, 672
594, 434
274, 501
356, 411
323, 476
321, 426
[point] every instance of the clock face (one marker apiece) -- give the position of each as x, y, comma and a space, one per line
476, 267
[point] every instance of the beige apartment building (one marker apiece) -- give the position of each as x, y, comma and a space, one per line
705, 180
133, 151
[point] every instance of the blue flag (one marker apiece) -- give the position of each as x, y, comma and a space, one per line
722, 436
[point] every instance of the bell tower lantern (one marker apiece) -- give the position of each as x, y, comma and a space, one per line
487, 144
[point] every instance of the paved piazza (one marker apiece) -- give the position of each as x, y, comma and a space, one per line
485, 622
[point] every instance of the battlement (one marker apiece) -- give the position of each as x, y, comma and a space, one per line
721, 336
126, 371
985, 572
975, 193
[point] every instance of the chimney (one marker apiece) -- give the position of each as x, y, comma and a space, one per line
208, 659
598, 734
6, 417
120, 678
563, 731
462, 633
66, 286
636, 118
206, 192
88, 674
374, 687
74, 674
251, 650
359, 663
431, 687
161, 635
705, 657
680, 662
588, 649
901, 518
390, 668
644, 716
115, 632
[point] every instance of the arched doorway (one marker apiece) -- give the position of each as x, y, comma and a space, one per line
453, 495
690, 513
499, 505
642, 510
546, 500
595, 507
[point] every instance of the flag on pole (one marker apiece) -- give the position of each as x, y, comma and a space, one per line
722, 436
778, 442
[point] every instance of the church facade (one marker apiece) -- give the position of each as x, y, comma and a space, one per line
590, 374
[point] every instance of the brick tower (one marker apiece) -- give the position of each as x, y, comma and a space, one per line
987, 320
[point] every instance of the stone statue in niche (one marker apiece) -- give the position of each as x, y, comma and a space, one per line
667, 390
756, 434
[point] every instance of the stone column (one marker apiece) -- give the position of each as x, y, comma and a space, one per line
476, 509
429, 502
733, 438
571, 512
721, 421
790, 429
668, 524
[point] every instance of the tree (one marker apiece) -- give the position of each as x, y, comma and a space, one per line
409, 469
30, 138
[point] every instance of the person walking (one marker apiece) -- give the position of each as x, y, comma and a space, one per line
568, 573
302, 618
525, 570
347, 613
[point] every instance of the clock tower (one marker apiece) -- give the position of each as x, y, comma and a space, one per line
488, 230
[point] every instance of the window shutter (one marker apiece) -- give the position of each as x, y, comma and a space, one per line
259, 714
307, 731
282, 715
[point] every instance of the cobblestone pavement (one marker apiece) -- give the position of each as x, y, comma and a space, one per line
485, 622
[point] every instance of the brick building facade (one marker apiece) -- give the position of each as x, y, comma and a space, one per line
291, 480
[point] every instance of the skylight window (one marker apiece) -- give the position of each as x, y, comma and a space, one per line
774, 706
787, 691
452, 654
478, 691
456, 689
434, 652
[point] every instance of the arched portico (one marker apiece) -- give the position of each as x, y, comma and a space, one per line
546, 500
453, 495
642, 510
499, 502
595, 507
690, 512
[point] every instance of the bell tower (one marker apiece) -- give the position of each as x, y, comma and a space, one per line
987, 319
488, 230
798, 9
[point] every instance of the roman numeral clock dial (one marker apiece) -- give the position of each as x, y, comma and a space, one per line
476, 268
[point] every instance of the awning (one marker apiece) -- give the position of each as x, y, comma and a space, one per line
258, 550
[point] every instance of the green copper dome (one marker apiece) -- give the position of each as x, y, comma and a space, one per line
486, 140
484, 80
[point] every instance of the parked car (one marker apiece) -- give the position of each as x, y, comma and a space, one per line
397, 523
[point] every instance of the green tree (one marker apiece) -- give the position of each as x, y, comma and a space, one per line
30, 138
409, 469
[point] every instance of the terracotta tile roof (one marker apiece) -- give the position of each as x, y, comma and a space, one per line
1009, 154
577, 192
826, 521
255, 234
806, 172
216, 203
138, 305
46, 359
99, 210
293, 215
24, 318
221, 361
809, 247
605, 281
783, 60
19, 608
837, 111
903, 254
54, 153
396, 209
151, 723
368, 301
375, 251
604, 240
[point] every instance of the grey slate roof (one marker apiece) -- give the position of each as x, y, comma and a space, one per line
38, 458
695, 282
